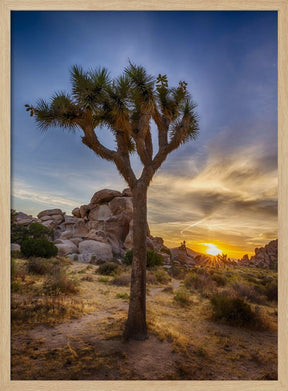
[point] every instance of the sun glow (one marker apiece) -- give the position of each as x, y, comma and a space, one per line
212, 249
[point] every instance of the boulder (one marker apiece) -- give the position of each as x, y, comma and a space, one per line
76, 212
50, 212
84, 209
128, 243
104, 195
117, 227
65, 247
71, 220
121, 204
97, 250
265, 257
49, 224
127, 192
66, 234
76, 241
100, 212
58, 219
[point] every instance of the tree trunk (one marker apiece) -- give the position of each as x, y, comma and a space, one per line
136, 323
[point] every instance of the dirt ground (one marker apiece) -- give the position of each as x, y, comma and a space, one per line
183, 343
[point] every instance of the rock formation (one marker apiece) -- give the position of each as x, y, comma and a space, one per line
265, 257
99, 231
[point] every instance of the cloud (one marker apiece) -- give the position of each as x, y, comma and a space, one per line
231, 197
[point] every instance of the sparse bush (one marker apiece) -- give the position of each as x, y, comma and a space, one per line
122, 296
161, 276
271, 291
200, 282
234, 311
38, 248
153, 258
248, 292
122, 280
182, 297
103, 279
39, 266
220, 280
59, 283
108, 269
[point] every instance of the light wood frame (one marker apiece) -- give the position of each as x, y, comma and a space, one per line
56, 5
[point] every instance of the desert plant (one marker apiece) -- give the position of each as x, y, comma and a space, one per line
234, 311
122, 280
59, 283
271, 291
122, 296
161, 276
182, 297
39, 266
40, 247
248, 292
37, 230
108, 269
201, 282
126, 105
152, 258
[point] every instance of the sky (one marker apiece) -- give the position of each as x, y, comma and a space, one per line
220, 188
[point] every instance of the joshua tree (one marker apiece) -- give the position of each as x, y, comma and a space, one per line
126, 106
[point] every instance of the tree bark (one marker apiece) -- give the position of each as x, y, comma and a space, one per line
136, 323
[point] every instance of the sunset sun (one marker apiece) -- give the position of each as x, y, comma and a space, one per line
212, 249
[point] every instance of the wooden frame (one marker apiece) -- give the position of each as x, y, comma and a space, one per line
6, 7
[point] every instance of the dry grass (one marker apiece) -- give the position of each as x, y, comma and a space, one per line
84, 338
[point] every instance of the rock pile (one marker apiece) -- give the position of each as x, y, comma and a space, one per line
265, 257
99, 231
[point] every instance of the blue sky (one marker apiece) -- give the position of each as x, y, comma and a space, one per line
221, 188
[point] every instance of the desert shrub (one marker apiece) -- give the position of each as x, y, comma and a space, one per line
153, 258
248, 292
39, 266
182, 297
59, 283
271, 291
151, 278
37, 230
15, 286
234, 311
107, 269
103, 279
122, 280
220, 280
18, 233
161, 276
38, 248
122, 296
201, 282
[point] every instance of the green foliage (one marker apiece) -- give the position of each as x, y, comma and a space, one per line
18, 232
122, 296
232, 310
37, 230
38, 248
108, 269
153, 259
103, 279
